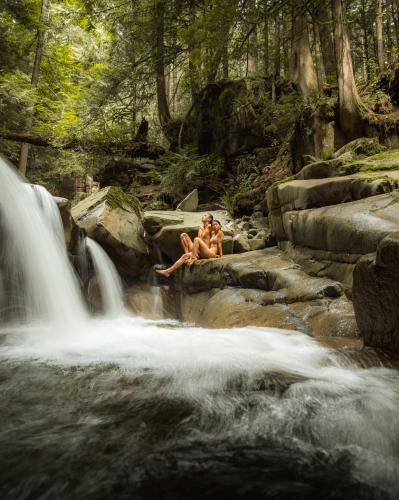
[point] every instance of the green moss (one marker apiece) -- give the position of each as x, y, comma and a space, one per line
283, 181
116, 198
327, 153
226, 99
388, 160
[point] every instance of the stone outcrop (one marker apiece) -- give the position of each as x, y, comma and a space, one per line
347, 228
376, 295
113, 219
339, 226
263, 288
190, 202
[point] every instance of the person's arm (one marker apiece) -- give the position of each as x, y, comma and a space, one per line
220, 245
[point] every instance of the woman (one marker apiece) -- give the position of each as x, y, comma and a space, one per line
204, 232
200, 250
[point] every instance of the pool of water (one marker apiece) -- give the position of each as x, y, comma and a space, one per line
129, 408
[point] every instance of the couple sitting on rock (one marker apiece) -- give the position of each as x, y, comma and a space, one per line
207, 245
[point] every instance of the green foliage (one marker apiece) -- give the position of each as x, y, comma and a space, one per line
184, 171
327, 153
116, 198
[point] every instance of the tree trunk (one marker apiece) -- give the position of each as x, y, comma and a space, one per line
253, 42
266, 42
304, 73
277, 41
24, 154
159, 55
379, 37
192, 69
366, 50
350, 106
395, 16
326, 39
389, 37
321, 72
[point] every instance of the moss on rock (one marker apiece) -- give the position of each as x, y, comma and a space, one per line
116, 198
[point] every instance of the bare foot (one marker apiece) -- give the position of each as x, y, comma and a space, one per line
163, 272
191, 261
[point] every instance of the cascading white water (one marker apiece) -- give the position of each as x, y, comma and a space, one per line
109, 279
42, 278
49, 208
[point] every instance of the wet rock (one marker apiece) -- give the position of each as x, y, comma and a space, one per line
190, 202
348, 228
241, 244
113, 219
314, 193
257, 244
376, 295
263, 288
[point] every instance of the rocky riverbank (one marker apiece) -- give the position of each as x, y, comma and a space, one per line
320, 257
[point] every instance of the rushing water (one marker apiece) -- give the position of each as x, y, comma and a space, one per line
109, 279
40, 280
121, 408
128, 408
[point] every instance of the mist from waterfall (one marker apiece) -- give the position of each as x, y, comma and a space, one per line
36, 269
108, 278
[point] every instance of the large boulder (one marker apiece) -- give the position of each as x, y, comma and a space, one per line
315, 193
348, 228
376, 295
113, 219
361, 147
263, 288
163, 229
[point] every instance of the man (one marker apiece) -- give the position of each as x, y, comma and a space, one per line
204, 234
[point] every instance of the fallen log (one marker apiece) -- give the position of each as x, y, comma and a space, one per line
133, 149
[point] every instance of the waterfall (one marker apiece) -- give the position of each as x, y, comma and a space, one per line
40, 279
108, 277
49, 208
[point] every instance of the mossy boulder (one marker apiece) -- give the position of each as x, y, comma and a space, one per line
235, 116
359, 148
113, 219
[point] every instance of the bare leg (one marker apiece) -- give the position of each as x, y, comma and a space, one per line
176, 265
186, 243
201, 250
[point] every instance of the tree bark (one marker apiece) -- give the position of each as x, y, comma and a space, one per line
159, 55
277, 48
24, 153
320, 70
132, 149
379, 37
303, 70
350, 106
253, 42
366, 55
326, 38
265, 41
192, 69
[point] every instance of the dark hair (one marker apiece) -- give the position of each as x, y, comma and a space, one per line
211, 216
218, 222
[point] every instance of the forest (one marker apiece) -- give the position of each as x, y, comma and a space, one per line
212, 84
